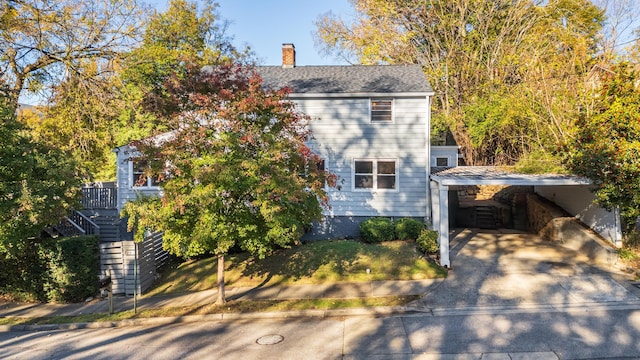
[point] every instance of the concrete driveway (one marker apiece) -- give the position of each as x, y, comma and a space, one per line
512, 269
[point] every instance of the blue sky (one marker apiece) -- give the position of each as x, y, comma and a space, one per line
265, 25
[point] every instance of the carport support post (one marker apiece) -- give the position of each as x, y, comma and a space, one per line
434, 196
444, 225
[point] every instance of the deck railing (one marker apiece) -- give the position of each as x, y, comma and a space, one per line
102, 196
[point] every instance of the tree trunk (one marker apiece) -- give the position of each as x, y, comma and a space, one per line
221, 298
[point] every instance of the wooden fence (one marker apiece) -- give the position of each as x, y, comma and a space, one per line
119, 257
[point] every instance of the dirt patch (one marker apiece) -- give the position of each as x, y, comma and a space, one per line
633, 265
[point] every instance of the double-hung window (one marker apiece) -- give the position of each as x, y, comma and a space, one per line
381, 110
375, 174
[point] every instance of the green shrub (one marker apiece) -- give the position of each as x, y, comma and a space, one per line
379, 229
73, 268
626, 254
408, 228
22, 273
428, 241
59, 270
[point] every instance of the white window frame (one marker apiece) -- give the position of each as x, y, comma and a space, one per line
132, 179
372, 111
324, 163
375, 174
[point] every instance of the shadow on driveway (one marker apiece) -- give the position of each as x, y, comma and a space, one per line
518, 269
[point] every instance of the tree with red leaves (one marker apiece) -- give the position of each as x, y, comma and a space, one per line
238, 172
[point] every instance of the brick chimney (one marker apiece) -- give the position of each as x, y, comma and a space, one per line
288, 56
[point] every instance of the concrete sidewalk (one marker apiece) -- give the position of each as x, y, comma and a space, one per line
121, 303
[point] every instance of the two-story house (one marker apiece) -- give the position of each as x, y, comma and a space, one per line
370, 125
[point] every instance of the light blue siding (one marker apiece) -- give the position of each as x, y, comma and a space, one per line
447, 152
342, 132
126, 190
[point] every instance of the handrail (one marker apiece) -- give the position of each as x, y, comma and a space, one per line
87, 219
73, 223
81, 220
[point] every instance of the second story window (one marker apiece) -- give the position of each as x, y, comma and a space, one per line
381, 110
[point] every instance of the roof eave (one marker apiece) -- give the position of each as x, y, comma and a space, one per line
361, 94
510, 181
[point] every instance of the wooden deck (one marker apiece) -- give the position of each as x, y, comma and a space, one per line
100, 196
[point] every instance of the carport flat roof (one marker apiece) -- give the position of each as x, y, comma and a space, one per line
501, 175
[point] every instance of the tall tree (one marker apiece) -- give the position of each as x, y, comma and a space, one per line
483, 57
618, 33
38, 184
184, 34
43, 41
238, 171
606, 147
88, 119
81, 121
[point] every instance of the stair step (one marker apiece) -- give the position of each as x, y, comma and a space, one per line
485, 217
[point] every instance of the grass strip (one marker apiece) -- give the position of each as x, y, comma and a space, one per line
242, 306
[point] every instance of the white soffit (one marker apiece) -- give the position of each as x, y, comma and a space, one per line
501, 175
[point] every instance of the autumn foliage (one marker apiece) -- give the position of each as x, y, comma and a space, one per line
238, 171
606, 147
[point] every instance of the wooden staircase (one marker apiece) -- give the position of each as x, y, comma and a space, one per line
131, 266
109, 222
76, 224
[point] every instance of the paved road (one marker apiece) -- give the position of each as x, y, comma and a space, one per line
579, 333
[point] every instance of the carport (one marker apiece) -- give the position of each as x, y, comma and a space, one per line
489, 175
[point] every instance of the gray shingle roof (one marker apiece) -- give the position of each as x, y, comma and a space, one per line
347, 79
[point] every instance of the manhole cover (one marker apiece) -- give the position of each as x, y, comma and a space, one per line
270, 339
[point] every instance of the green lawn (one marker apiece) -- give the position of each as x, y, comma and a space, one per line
313, 263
